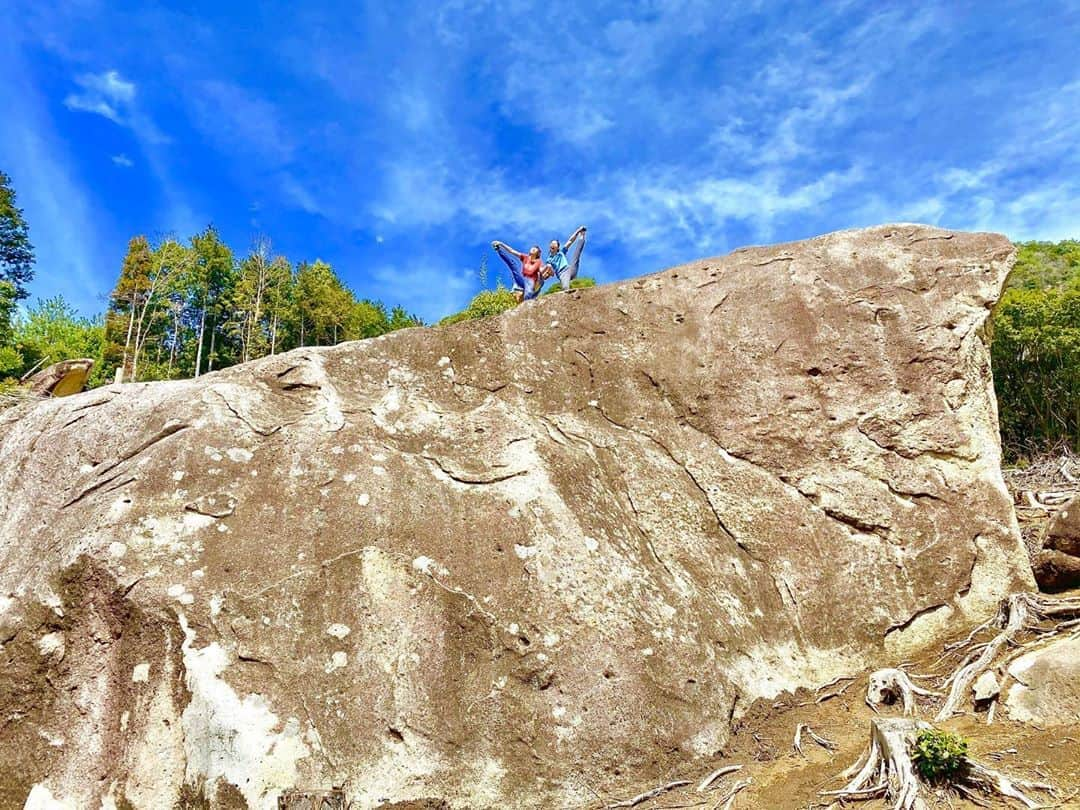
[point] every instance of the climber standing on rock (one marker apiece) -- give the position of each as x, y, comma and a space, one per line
566, 267
526, 269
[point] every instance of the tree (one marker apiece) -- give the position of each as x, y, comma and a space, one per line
211, 276
400, 319
16, 252
323, 303
11, 359
259, 301
127, 296
484, 304
280, 304
182, 310
147, 284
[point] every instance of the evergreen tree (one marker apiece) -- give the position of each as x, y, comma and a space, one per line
16, 252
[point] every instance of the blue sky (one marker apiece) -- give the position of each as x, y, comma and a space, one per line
396, 139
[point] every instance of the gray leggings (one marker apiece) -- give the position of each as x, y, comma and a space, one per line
573, 261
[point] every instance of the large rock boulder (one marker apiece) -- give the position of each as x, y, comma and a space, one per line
61, 379
506, 562
1057, 563
1046, 691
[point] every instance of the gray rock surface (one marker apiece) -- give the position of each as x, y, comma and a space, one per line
1047, 688
499, 563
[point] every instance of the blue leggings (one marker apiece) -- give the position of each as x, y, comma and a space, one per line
520, 282
573, 261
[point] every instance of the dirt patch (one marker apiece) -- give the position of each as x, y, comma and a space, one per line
782, 779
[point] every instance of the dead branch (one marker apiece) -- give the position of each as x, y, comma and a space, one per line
712, 777
649, 794
828, 745
729, 799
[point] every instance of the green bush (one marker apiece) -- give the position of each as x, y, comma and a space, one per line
483, 305
493, 302
939, 755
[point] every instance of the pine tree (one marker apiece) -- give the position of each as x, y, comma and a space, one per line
16, 252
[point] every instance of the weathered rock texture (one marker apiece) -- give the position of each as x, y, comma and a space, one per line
1047, 687
496, 562
1057, 563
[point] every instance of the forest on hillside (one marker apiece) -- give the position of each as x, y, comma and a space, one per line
180, 309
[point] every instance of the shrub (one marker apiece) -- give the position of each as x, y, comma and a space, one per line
939, 755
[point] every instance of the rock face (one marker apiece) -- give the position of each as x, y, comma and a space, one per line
1057, 564
492, 563
1047, 688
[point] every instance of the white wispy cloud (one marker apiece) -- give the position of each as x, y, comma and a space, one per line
107, 94
122, 160
672, 129
111, 96
1007, 191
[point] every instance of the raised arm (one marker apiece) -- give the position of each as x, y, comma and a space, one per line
515, 251
573, 237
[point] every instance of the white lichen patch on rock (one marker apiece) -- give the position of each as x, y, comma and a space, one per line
237, 739
337, 661
51, 644
41, 798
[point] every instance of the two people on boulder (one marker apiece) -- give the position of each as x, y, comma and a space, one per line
529, 271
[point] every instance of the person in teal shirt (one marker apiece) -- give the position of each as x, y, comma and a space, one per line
566, 267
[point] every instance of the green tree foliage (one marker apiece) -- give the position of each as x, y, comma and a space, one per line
210, 274
11, 359
484, 304
52, 330
1035, 350
181, 310
582, 283
16, 252
492, 302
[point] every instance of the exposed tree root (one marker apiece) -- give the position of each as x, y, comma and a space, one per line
1020, 613
890, 685
888, 770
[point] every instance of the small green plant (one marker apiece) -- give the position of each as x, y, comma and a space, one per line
939, 755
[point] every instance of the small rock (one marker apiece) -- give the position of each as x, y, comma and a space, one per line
986, 687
